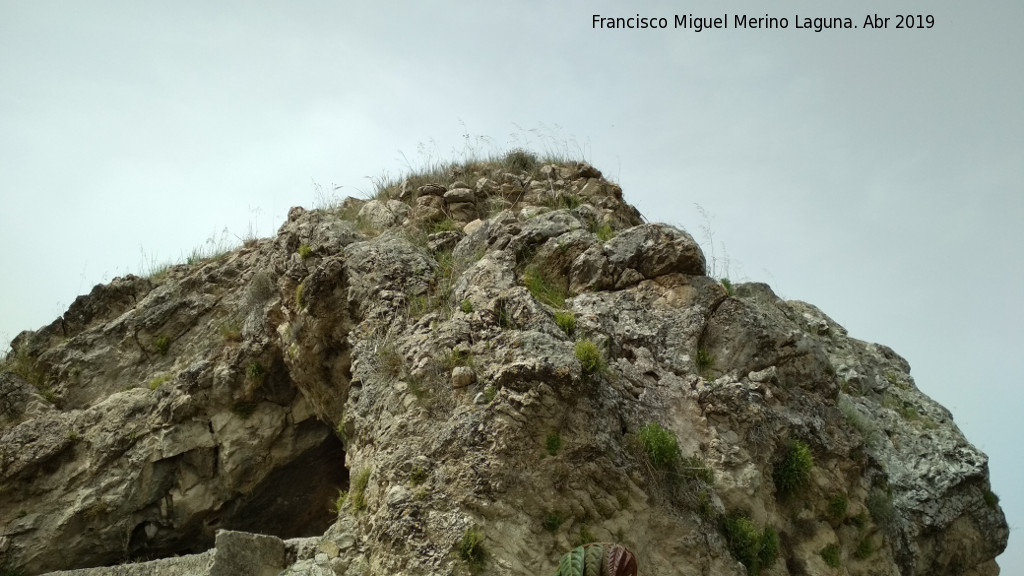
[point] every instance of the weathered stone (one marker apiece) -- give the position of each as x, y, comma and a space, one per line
641, 252
431, 190
472, 226
244, 554
462, 376
457, 195
247, 392
430, 201
382, 214
463, 212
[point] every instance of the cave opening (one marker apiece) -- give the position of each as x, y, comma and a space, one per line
293, 501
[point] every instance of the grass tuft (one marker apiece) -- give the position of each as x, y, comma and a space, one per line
566, 320
157, 381
755, 550
831, 555
255, 371
836, 511
793, 470
705, 360
660, 445
865, 548
605, 232
519, 160
471, 547
162, 344
546, 289
357, 490
553, 443
590, 357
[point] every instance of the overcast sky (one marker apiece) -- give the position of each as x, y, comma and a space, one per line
874, 173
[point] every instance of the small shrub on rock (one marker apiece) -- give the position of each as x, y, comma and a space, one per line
660, 445
471, 547
519, 160
553, 443
261, 288
836, 511
162, 344
566, 321
705, 360
794, 469
255, 371
157, 381
605, 232
865, 548
357, 491
879, 504
590, 358
727, 284
231, 331
830, 554
755, 550
339, 502
546, 289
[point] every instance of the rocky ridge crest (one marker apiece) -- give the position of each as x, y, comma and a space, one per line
471, 373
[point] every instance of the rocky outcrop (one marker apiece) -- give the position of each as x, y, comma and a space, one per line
477, 371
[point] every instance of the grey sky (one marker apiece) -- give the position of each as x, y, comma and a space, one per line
874, 173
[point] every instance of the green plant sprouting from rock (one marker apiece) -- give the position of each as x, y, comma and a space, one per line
544, 287
793, 471
705, 360
159, 380
660, 446
831, 555
471, 547
566, 320
255, 371
357, 490
591, 359
755, 549
727, 284
553, 443
162, 344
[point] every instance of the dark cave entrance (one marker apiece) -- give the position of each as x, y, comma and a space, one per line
295, 501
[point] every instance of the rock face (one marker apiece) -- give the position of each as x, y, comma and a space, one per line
474, 373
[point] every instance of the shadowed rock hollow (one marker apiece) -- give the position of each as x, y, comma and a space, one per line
490, 364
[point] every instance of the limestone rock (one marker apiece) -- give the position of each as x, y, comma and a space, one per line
369, 404
462, 376
382, 214
639, 253
242, 554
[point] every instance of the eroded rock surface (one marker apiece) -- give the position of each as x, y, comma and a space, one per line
426, 354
